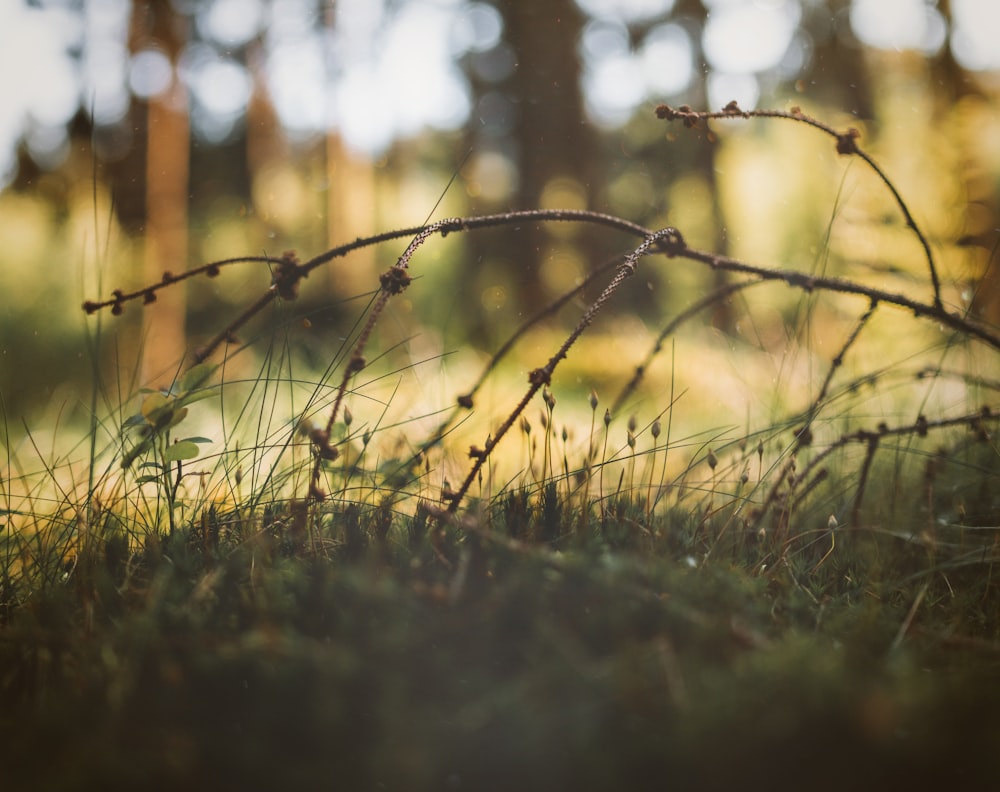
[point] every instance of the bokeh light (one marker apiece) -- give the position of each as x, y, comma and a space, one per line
748, 36
899, 24
975, 38
376, 72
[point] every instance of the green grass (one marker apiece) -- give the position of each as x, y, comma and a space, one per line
528, 644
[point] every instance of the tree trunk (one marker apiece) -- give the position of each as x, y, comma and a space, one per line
168, 143
552, 137
350, 213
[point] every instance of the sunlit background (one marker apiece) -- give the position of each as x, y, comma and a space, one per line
141, 137
375, 71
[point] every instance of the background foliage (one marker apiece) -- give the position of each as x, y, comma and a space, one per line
168, 175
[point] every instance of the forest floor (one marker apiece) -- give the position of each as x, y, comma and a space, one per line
532, 646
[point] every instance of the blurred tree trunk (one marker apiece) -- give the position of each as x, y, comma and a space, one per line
266, 141
350, 214
837, 75
350, 205
551, 134
703, 162
961, 97
168, 141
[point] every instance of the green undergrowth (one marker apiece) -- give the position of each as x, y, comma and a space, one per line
527, 645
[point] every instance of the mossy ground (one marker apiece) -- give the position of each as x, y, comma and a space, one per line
514, 650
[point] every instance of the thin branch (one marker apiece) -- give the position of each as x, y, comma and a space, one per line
148, 293
847, 143
540, 377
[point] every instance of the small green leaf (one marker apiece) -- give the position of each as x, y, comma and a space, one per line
136, 452
196, 440
176, 417
147, 479
134, 420
154, 406
183, 449
204, 393
196, 376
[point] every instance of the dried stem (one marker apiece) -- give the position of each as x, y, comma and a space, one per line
847, 143
922, 426
543, 376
